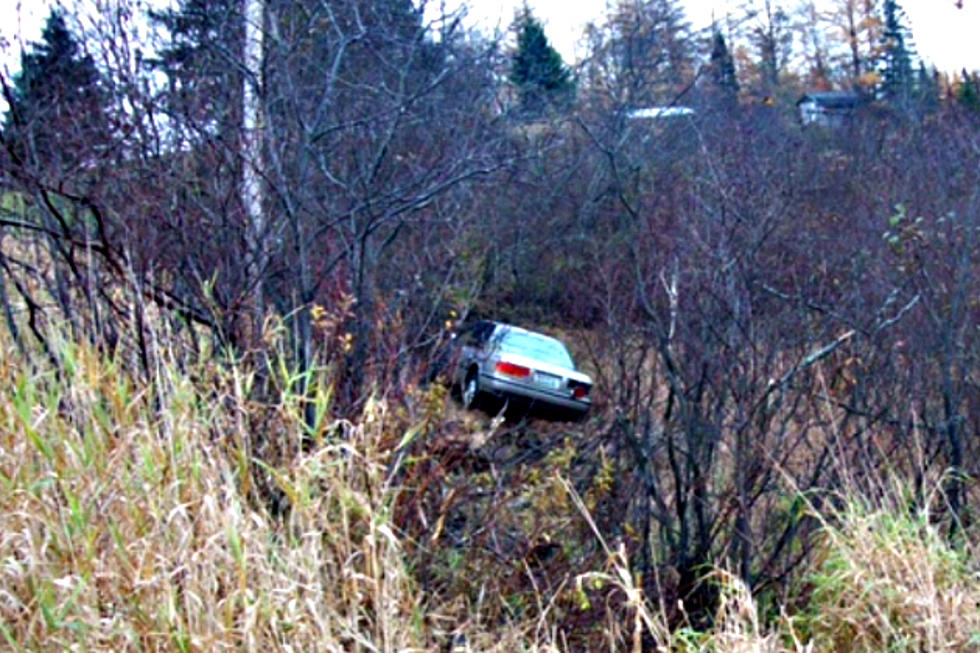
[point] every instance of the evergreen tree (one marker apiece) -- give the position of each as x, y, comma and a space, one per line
202, 65
897, 80
537, 70
927, 90
723, 69
56, 116
968, 92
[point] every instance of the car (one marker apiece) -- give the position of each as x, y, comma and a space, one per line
505, 362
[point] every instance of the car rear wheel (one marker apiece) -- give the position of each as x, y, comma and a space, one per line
471, 391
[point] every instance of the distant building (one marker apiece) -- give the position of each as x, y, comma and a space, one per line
829, 108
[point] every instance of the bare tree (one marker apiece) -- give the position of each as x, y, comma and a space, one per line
642, 56
368, 125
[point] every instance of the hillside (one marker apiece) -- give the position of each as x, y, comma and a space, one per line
146, 513
235, 252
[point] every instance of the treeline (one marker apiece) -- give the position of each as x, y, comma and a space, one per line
764, 306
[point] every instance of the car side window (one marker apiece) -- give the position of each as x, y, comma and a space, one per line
478, 335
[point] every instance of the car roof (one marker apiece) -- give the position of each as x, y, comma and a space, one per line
512, 327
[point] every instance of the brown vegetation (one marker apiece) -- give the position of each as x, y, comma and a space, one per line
216, 435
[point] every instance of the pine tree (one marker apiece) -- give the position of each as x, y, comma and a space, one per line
541, 77
968, 92
202, 64
897, 81
56, 116
723, 69
927, 90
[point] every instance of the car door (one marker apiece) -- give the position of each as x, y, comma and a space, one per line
475, 347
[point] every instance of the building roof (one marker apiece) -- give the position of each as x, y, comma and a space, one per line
832, 99
660, 112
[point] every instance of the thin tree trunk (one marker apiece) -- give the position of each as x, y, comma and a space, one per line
252, 192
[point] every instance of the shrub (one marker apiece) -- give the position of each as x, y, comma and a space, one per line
888, 579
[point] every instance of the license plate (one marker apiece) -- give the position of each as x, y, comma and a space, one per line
549, 381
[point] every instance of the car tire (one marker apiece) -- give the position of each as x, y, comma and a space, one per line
470, 392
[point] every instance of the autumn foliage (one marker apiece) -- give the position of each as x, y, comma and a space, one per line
223, 432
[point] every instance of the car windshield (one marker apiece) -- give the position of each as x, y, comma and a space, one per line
536, 346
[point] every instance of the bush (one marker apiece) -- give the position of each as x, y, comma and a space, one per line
888, 579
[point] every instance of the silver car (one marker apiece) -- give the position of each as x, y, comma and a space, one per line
507, 362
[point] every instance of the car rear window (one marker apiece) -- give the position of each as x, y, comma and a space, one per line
536, 346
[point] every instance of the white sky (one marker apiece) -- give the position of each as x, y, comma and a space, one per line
944, 35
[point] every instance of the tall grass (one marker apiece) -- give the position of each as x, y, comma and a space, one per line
888, 579
173, 513
128, 521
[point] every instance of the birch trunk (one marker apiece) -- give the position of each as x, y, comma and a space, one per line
252, 194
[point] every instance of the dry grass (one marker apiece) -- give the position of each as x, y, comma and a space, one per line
126, 523
176, 514
135, 515
886, 580
889, 580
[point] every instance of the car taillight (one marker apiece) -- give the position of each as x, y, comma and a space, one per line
511, 369
580, 391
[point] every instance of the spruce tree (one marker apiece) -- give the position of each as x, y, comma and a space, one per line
723, 70
541, 77
897, 80
927, 90
56, 115
968, 92
202, 63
